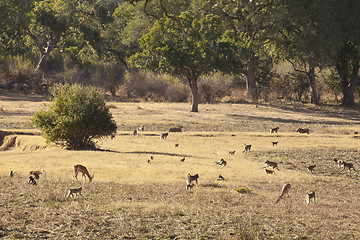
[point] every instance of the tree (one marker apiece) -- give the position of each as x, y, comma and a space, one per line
188, 45
251, 25
77, 116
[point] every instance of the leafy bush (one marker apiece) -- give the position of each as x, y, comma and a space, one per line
77, 116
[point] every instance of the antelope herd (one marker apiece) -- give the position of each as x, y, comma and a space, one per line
190, 179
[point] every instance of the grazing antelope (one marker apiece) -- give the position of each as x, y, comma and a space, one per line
222, 162
303, 130
175, 129
309, 196
182, 160
221, 178
274, 130
163, 136
311, 168
134, 133
267, 171
74, 192
82, 169
247, 148
285, 190
344, 165
271, 164
231, 152
31, 180
275, 143
12, 174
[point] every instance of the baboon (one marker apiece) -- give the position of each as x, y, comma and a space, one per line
12, 174
344, 165
274, 130
148, 160
176, 144
73, 192
151, 157
221, 178
175, 129
356, 133
309, 196
190, 179
164, 136
267, 171
303, 130
231, 152
271, 164
247, 148
285, 190
311, 168
336, 162
189, 186
275, 143
31, 180
134, 133
82, 169
141, 129
182, 160
222, 162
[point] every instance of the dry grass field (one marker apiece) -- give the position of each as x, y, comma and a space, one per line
130, 198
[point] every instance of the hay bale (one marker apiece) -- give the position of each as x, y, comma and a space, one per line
9, 142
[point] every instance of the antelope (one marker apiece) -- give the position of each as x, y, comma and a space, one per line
274, 130
82, 169
285, 190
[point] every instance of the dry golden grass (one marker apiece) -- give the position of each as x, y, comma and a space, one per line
130, 198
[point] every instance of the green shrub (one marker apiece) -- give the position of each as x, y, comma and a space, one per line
77, 116
243, 190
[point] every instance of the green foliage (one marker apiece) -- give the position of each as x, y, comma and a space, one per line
243, 190
77, 116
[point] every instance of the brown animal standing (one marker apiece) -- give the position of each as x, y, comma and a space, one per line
311, 168
274, 130
303, 130
73, 192
285, 190
163, 136
309, 196
247, 148
82, 169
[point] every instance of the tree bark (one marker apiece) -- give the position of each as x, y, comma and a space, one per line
195, 93
349, 81
251, 89
50, 46
312, 82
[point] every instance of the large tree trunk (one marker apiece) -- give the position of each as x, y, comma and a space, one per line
44, 54
195, 93
312, 81
349, 81
251, 89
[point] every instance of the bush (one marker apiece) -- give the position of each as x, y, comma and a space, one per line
77, 116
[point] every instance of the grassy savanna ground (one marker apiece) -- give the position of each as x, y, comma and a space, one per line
130, 198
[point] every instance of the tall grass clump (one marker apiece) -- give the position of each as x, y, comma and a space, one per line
77, 116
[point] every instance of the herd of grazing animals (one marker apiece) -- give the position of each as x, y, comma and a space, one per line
75, 192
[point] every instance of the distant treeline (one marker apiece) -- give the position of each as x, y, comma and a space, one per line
171, 50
